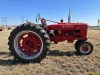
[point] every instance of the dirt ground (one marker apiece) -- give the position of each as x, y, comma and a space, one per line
61, 59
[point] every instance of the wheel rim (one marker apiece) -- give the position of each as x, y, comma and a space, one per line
28, 44
85, 48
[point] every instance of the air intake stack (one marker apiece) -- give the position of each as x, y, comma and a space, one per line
69, 16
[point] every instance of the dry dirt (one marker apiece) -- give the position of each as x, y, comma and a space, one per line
61, 59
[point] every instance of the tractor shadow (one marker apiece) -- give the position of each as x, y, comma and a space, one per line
3, 53
60, 53
9, 62
7, 59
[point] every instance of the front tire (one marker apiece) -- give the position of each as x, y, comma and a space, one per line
84, 48
29, 43
77, 43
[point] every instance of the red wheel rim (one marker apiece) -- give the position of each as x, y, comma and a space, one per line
29, 43
85, 48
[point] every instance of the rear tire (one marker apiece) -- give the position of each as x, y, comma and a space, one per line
29, 43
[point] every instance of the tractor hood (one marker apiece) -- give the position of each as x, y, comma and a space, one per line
68, 26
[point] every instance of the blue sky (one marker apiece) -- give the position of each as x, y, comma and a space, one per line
87, 11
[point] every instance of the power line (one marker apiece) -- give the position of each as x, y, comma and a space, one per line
98, 22
4, 21
23, 19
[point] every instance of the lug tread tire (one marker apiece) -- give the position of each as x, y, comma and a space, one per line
33, 27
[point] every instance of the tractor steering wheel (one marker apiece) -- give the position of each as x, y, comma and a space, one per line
37, 18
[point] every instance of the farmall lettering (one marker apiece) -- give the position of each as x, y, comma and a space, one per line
67, 26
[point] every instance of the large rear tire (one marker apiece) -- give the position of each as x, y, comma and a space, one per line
29, 43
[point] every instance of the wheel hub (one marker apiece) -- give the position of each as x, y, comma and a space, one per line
29, 43
84, 48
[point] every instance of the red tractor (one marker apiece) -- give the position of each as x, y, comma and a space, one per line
30, 42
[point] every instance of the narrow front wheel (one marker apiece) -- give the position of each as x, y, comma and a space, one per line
84, 48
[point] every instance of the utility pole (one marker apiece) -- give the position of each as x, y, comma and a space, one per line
69, 16
23, 19
98, 22
4, 20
